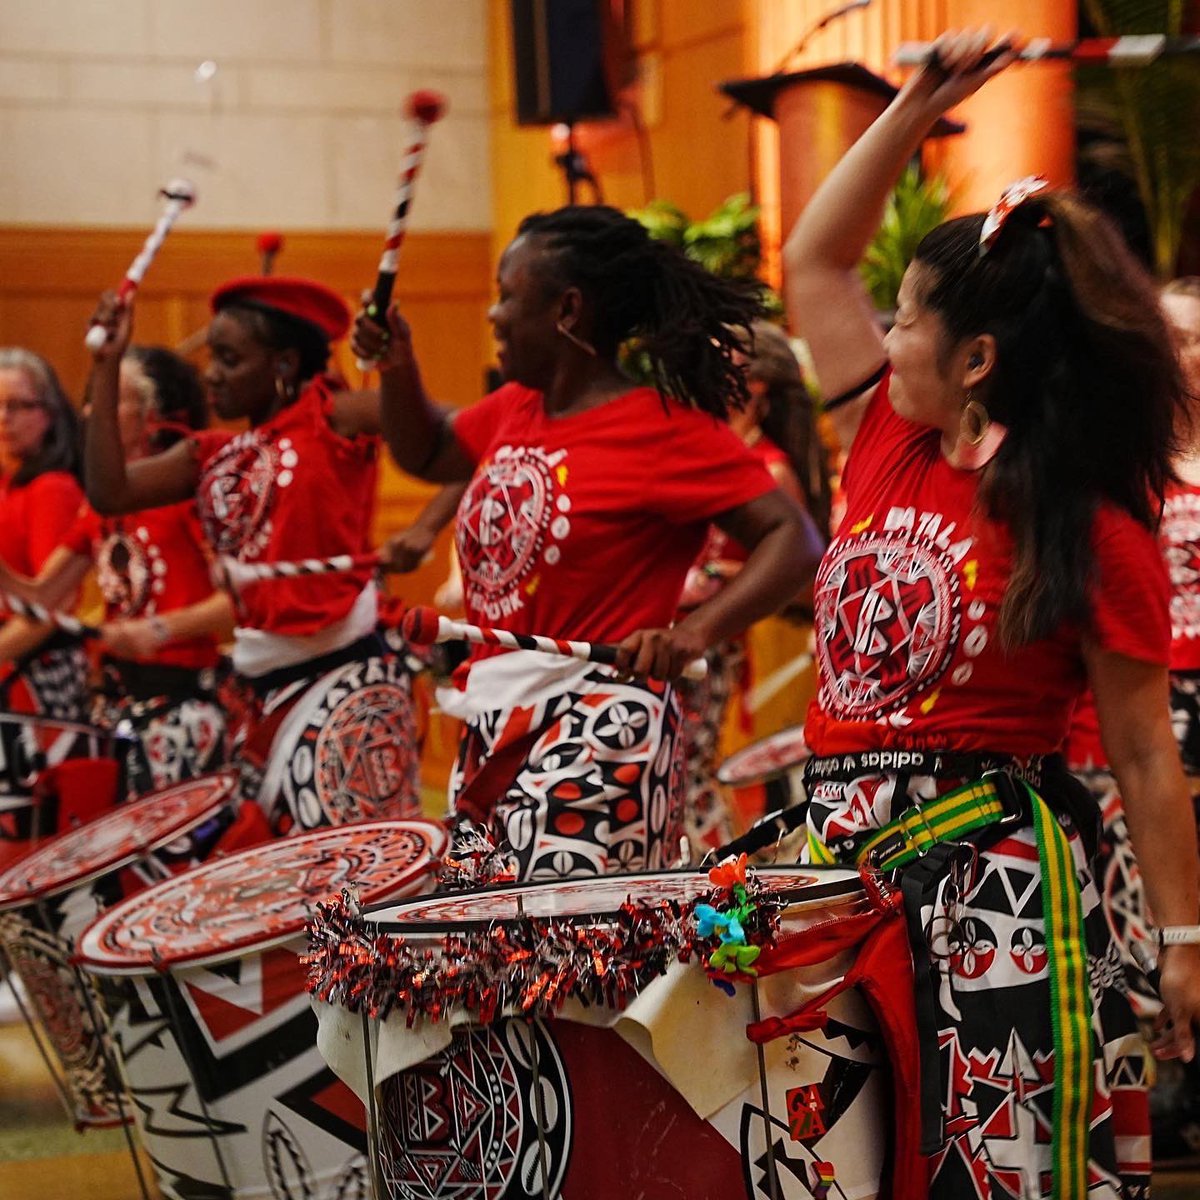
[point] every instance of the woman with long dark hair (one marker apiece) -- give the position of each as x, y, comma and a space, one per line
163, 619
330, 737
39, 498
1009, 446
589, 499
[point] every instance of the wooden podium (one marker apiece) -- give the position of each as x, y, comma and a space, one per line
820, 114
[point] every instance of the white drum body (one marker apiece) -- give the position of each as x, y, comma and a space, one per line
662, 1100
218, 1040
50, 896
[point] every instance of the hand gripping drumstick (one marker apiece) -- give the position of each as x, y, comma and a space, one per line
423, 108
422, 626
38, 612
1135, 50
179, 194
238, 574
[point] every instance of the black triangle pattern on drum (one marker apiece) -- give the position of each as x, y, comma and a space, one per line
305, 1101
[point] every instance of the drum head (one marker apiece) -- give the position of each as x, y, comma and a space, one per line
259, 897
768, 758
116, 839
583, 900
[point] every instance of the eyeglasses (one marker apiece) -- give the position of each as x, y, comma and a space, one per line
16, 407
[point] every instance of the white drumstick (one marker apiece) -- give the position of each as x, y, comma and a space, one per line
179, 195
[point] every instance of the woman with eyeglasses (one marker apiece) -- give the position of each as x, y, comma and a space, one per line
42, 670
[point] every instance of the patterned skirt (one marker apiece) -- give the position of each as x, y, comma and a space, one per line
585, 777
984, 926
332, 743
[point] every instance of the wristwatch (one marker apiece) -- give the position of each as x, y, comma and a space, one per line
160, 629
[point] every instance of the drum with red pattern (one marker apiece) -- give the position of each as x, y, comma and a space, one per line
767, 775
642, 1102
217, 1035
50, 895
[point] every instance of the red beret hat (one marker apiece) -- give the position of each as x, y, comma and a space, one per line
300, 298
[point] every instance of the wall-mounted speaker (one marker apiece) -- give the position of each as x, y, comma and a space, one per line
567, 57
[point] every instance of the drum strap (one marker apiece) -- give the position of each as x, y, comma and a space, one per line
924, 840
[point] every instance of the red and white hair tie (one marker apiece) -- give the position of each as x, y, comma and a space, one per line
1011, 198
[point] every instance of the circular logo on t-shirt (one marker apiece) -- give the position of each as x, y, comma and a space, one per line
238, 490
1179, 535
513, 507
887, 622
127, 569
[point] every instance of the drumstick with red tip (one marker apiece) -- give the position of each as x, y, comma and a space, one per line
269, 245
423, 626
1132, 50
423, 108
238, 574
179, 195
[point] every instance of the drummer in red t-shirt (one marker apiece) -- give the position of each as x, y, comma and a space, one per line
162, 618
996, 557
589, 499
42, 669
331, 737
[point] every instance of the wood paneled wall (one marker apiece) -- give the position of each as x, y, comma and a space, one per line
50, 278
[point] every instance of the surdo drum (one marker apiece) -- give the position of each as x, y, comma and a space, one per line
665, 1098
766, 776
217, 1036
48, 897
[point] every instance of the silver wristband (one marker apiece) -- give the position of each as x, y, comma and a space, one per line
1178, 935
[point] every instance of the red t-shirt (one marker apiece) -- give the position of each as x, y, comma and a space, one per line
35, 517
584, 526
290, 488
907, 603
149, 563
1179, 536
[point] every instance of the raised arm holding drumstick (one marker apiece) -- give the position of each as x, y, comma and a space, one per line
1009, 445
589, 498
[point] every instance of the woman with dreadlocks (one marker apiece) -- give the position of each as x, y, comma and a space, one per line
1009, 445
589, 499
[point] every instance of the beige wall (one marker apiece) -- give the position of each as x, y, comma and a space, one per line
99, 106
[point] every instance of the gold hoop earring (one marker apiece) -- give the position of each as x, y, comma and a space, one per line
575, 339
974, 421
285, 391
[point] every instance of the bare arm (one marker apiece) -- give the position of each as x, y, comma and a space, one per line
416, 430
20, 635
405, 551
56, 583
1132, 704
143, 637
356, 413
826, 301
112, 486
785, 549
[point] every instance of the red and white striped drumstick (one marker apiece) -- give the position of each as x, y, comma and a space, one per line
39, 612
1133, 50
179, 195
423, 108
422, 626
238, 574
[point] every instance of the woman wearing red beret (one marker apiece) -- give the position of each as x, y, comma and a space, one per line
330, 737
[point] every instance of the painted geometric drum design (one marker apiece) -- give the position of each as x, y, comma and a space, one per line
766, 775
48, 897
464, 1124
217, 1036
